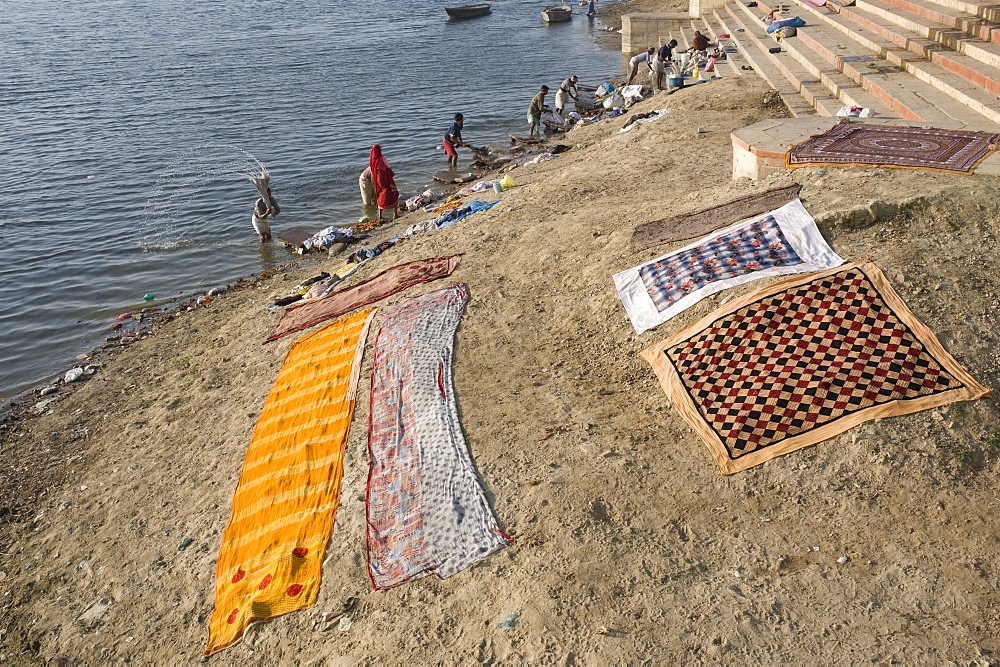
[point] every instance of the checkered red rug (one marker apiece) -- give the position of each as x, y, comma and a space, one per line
868, 145
803, 360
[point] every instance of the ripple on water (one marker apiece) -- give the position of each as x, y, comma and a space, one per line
128, 127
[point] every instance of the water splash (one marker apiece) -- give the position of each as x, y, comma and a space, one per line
188, 196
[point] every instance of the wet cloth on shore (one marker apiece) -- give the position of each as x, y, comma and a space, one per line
451, 217
271, 557
426, 510
871, 145
316, 289
416, 229
328, 237
781, 242
801, 361
387, 283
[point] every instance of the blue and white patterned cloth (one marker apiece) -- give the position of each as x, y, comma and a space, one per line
784, 241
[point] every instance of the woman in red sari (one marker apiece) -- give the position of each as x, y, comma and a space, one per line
386, 193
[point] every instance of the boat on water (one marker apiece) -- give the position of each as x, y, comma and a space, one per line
557, 13
468, 11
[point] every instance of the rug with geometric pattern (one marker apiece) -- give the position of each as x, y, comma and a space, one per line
803, 360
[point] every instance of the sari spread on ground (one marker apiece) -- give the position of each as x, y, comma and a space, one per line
285, 503
803, 360
426, 510
781, 242
385, 284
876, 145
383, 179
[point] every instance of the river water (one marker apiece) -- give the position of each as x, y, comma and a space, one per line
128, 127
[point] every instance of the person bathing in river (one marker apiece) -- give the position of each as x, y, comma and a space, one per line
383, 179
367, 187
263, 211
535, 110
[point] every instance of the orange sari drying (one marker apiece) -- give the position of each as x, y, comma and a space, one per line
271, 558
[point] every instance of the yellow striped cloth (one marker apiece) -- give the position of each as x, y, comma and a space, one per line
285, 503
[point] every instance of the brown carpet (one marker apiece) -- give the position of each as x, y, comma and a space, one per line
387, 283
698, 223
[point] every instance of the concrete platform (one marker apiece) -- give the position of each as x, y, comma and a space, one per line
759, 149
644, 29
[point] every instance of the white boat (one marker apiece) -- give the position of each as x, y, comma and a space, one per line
557, 13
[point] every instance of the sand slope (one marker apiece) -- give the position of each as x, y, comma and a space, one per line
630, 546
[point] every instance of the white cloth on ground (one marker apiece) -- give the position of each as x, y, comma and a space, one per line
782, 242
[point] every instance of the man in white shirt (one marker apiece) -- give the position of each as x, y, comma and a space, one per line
645, 58
566, 90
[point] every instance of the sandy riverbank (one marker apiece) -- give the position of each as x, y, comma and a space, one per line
630, 546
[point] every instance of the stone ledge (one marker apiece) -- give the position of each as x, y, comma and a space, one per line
644, 29
759, 149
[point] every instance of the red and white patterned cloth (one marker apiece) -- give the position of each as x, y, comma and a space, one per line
426, 510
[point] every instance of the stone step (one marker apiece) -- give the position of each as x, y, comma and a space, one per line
984, 51
809, 87
686, 34
953, 19
949, 72
806, 66
973, 70
988, 11
912, 97
763, 65
734, 59
914, 88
